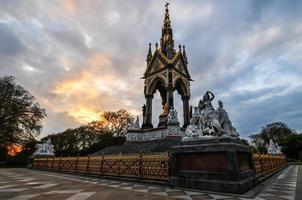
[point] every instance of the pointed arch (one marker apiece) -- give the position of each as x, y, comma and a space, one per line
181, 87
156, 83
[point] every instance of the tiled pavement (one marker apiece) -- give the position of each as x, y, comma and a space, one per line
28, 184
283, 187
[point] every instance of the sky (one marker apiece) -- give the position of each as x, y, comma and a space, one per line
82, 57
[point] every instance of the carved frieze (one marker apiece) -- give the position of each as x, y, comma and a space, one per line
154, 134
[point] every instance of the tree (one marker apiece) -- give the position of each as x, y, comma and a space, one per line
109, 130
114, 123
20, 114
278, 132
292, 148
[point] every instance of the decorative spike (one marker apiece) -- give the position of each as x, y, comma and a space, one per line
179, 48
149, 55
156, 45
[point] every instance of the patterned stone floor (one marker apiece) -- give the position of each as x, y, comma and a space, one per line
28, 184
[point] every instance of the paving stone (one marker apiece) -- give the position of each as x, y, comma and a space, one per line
13, 189
201, 197
63, 191
6, 186
81, 196
24, 197
48, 185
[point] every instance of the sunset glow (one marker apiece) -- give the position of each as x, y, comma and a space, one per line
84, 93
85, 116
14, 149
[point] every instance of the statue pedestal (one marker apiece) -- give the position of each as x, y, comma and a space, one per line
163, 118
214, 164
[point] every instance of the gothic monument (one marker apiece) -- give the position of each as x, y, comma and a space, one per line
206, 152
167, 72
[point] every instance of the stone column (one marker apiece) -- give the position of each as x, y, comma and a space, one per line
148, 123
170, 98
170, 88
186, 110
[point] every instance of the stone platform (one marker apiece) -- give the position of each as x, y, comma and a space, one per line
147, 141
216, 164
142, 147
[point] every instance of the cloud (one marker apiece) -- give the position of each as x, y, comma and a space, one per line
95, 88
70, 39
69, 6
80, 58
11, 44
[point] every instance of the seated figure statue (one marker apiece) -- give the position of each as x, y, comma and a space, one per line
172, 117
225, 122
165, 110
208, 122
192, 129
209, 116
197, 118
134, 124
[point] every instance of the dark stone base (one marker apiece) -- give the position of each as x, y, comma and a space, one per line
147, 126
236, 187
219, 164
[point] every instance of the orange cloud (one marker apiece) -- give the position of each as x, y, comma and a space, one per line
69, 6
84, 115
96, 87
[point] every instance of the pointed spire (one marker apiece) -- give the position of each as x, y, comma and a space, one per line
166, 40
184, 54
149, 55
156, 45
167, 22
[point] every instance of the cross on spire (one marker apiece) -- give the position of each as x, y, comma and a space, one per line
167, 4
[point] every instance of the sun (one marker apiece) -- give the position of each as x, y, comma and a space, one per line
84, 115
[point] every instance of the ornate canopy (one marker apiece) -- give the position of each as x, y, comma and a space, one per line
166, 71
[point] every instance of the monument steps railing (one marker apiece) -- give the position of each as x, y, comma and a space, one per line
154, 166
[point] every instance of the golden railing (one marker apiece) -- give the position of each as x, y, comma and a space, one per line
139, 166
267, 163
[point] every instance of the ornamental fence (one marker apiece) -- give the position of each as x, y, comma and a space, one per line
140, 166
265, 164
